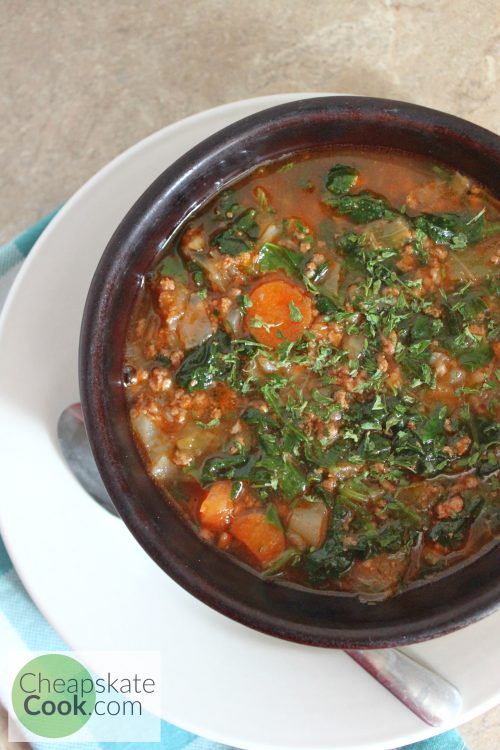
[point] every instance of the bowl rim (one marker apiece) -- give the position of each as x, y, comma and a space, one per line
142, 219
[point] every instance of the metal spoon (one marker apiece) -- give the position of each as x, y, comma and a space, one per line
76, 450
427, 694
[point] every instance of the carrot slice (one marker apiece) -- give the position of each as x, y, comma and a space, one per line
263, 539
280, 311
217, 508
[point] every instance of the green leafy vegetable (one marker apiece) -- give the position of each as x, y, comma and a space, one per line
208, 425
203, 366
352, 536
361, 208
272, 516
172, 265
326, 307
450, 532
288, 558
228, 206
295, 314
454, 230
244, 302
341, 179
277, 258
228, 466
470, 351
240, 236
197, 274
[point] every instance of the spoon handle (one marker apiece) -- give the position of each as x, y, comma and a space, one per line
424, 692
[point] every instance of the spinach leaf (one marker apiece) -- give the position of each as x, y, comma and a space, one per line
424, 328
365, 539
277, 258
263, 420
326, 306
332, 560
341, 179
172, 265
420, 449
375, 447
465, 305
485, 432
470, 351
280, 470
229, 466
433, 426
198, 275
454, 230
227, 204
416, 333
451, 532
291, 480
240, 236
272, 516
361, 208
204, 365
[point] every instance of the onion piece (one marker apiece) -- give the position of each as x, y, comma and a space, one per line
353, 344
194, 327
330, 281
310, 523
212, 264
172, 310
194, 440
344, 470
163, 468
234, 320
389, 233
157, 445
270, 234
459, 184
145, 430
476, 263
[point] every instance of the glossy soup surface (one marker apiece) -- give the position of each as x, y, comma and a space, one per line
312, 370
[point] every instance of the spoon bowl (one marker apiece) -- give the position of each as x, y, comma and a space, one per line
77, 453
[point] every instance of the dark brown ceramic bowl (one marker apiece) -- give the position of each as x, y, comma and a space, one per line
321, 619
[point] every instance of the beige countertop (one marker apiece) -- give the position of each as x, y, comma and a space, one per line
81, 80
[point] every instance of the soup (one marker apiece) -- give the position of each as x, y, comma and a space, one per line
312, 370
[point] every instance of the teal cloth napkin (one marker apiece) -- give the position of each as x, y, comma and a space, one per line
18, 612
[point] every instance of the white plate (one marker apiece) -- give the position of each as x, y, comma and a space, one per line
95, 584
